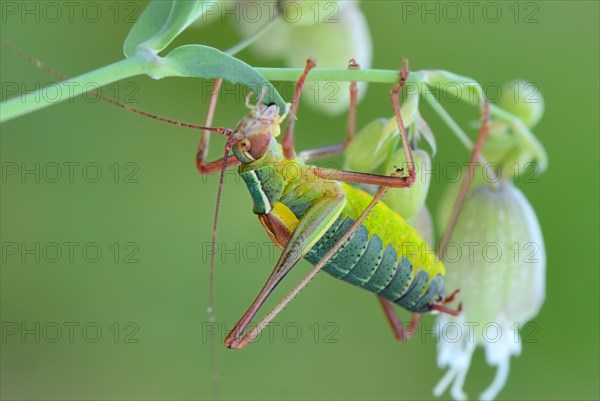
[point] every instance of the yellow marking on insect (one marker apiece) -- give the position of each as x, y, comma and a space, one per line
394, 230
285, 215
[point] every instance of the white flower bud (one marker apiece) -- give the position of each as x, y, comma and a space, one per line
423, 223
304, 12
372, 144
329, 32
274, 43
332, 45
408, 201
498, 261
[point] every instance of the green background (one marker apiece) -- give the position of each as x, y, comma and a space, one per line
168, 213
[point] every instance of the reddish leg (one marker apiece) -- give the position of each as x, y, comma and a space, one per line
288, 139
236, 339
401, 333
444, 309
464, 189
396, 103
364, 178
450, 298
460, 199
214, 166
332, 150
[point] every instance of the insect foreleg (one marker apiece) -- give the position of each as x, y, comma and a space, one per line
288, 139
332, 150
201, 154
382, 180
396, 104
365, 178
310, 229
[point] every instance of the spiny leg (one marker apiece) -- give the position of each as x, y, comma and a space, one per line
332, 150
401, 333
365, 178
351, 127
310, 228
460, 199
201, 154
396, 104
464, 189
288, 140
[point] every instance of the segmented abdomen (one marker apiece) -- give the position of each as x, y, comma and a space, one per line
363, 261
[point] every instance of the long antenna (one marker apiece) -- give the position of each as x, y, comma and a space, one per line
211, 289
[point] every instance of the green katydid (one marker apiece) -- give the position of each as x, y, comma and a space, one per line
310, 212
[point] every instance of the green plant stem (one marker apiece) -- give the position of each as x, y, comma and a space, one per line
445, 116
72, 87
138, 65
523, 134
331, 74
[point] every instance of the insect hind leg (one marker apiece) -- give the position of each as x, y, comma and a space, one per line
400, 332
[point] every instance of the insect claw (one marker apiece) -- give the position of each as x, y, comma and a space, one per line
451, 297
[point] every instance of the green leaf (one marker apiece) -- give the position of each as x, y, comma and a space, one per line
208, 62
160, 23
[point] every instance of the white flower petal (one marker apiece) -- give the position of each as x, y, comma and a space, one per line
499, 381
332, 45
500, 291
498, 350
443, 384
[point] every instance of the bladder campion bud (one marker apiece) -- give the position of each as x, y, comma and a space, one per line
454, 86
329, 32
496, 257
423, 223
303, 12
332, 45
524, 100
408, 201
370, 147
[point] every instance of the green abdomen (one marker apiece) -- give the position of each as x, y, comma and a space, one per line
384, 256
